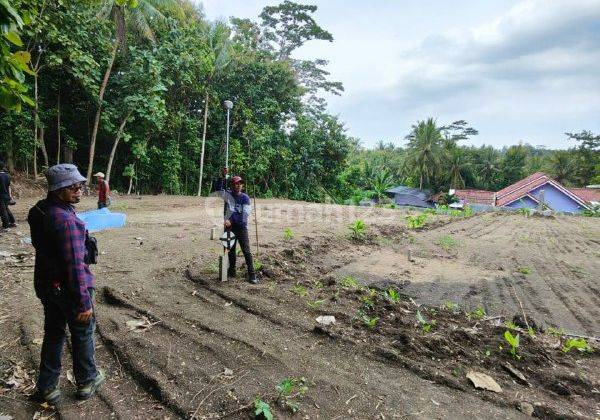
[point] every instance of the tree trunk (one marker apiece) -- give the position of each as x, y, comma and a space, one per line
115, 144
38, 129
10, 160
43, 146
58, 128
35, 124
130, 185
421, 182
203, 142
99, 111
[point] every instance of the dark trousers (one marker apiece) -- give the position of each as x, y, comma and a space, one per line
241, 234
5, 213
59, 312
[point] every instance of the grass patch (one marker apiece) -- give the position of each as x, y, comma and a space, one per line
447, 242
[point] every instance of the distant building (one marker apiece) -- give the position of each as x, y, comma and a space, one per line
537, 190
413, 197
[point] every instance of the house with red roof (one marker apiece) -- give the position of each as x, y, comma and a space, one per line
539, 189
532, 192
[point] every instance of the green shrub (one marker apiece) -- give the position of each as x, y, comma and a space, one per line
577, 343
513, 341
417, 221
447, 242
288, 234
358, 229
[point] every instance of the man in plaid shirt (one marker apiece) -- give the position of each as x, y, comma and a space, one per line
64, 284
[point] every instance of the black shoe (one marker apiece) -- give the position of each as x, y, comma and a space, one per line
50, 396
231, 274
252, 279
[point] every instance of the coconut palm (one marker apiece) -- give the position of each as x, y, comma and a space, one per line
457, 166
424, 149
381, 183
488, 166
138, 14
561, 166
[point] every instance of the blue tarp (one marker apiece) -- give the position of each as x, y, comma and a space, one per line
96, 220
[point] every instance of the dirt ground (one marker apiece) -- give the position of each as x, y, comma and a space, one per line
207, 349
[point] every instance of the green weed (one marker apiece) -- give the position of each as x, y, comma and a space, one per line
451, 306
477, 313
350, 282
577, 343
370, 322
258, 265
315, 304
368, 299
417, 221
358, 229
513, 341
289, 391
424, 322
392, 295
263, 409
524, 270
447, 242
299, 290
555, 331
288, 234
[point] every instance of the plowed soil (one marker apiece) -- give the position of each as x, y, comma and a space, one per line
207, 349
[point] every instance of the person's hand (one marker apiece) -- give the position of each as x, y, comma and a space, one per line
225, 170
227, 224
84, 317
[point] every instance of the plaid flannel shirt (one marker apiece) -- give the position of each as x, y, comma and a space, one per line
70, 237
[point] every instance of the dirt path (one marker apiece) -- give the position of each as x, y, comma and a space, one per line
211, 348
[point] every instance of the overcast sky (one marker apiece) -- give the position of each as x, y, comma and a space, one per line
514, 69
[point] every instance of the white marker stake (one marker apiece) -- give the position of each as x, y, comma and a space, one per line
228, 242
223, 265
212, 234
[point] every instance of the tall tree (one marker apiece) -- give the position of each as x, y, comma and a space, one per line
141, 13
488, 167
561, 166
587, 156
424, 150
513, 164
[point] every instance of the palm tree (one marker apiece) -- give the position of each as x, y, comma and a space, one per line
139, 14
380, 185
561, 166
488, 166
217, 60
457, 164
424, 149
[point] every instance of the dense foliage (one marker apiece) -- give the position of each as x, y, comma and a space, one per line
135, 88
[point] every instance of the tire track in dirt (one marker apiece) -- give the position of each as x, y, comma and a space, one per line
529, 294
572, 309
162, 360
115, 299
118, 397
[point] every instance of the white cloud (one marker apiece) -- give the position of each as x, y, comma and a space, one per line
515, 70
